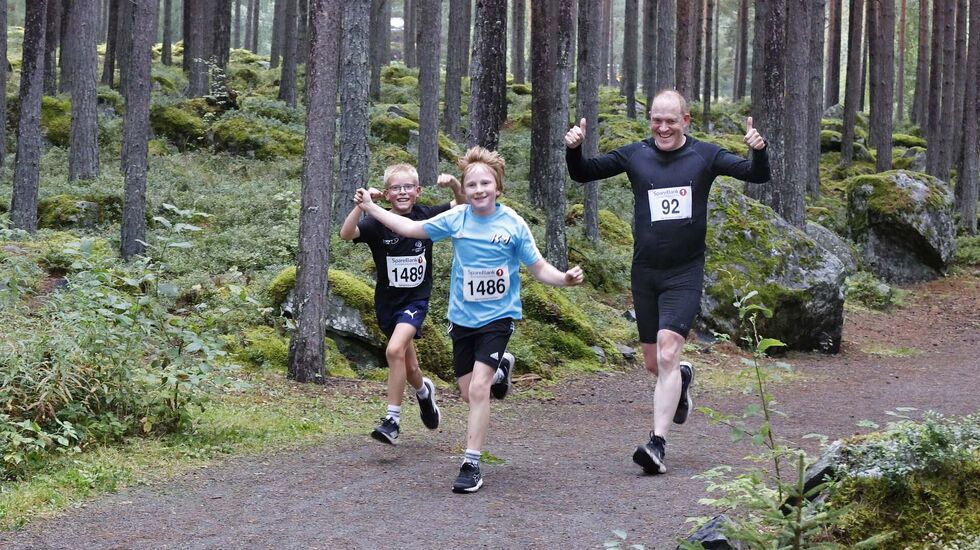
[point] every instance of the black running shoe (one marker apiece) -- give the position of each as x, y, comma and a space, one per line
650, 456
428, 408
499, 390
685, 405
469, 479
387, 431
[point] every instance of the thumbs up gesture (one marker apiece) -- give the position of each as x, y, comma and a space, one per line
752, 136
575, 135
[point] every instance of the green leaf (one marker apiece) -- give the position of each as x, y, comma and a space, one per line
620, 533
767, 343
167, 289
163, 221
194, 346
180, 227
868, 424
182, 244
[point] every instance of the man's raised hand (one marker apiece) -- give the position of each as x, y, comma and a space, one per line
752, 136
575, 135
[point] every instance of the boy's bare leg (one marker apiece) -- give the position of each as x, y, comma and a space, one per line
402, 363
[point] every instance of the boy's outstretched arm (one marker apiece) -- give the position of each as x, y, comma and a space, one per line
450, 181
349, 230
549, 274
399, 224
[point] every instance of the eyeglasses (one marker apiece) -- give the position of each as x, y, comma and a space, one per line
396, 189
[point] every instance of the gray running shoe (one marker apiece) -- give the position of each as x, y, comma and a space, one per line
650, 456
686, 404
469, 479
387, 431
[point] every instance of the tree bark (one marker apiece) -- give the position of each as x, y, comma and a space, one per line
487, 66
109, 64
815, 100
966, 186
302, 32
881, 103
220, 46
3, 83
380, 43
758, 57
613, 73
249, 13
697, 67
287, 78
66, 64
410, 33
605, 15
306, 347
832, 89
83, 163
793, 184
629, 55
590, 47
124, 43
354, 116
665, 76
278, 33
774, 193
709, 55
456, 54
257, 5
922, 64
430, 31
684, 55
648, 59
900, 70
136, 129
742, 59
948, 92
166, 54
865, 56
27, 168
195, 50
934, 132
955, 150
852, 83
517, 56
717, 18
52, 35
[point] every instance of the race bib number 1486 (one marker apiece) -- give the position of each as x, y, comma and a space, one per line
484, 284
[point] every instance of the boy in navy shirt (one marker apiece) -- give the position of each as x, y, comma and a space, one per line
401, 297
490, 241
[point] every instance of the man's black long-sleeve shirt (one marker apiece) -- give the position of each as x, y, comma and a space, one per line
670, 188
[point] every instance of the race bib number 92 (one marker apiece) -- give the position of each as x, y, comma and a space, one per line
484, 284
671, 203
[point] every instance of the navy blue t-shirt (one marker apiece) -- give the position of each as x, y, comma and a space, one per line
404, 265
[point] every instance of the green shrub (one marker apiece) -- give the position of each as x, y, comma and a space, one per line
865, 289
179, 124
56, 120
262, 138
967, 250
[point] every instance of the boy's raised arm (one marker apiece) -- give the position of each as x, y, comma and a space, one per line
450, 181
550, 275
399, 224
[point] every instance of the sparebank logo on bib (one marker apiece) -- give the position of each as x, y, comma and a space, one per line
481, 273
406, 261
670, 192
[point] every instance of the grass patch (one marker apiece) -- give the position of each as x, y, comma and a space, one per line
882, 351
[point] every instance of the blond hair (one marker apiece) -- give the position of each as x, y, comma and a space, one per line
681, 102
480, 155
402, 168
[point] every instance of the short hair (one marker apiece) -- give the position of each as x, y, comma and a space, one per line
401, 168
480, 155
674, 94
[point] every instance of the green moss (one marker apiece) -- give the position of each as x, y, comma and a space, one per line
279, 287
616, 131
252, 137
729, 142
182, 127
393, 71
396, 129
166, 85
865, 289
107, 96
356, 293
435, 350
612, 228
967, 250
56, 120
60, 211
829, 141
264, 348
337, 364
521, 89
276, 110
905, 140
241, 55
549, 304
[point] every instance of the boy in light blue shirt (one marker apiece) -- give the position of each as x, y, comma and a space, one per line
490, 241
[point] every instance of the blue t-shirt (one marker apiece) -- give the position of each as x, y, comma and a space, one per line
487, 253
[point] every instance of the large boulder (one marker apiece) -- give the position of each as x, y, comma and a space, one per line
751, 248
834, 244
902, 223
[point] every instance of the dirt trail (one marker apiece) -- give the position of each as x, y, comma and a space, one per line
567, 480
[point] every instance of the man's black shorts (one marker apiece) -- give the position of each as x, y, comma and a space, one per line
485, 344
412, 313
666, 298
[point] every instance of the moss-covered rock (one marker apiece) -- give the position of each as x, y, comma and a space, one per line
264, 348
397, 129
521, 89
616, 131
392, 72
111, 98
730, 142
548, 304
865, 289
275, 109
612, 228
63, 211
179, 124
56, 120
750, 248
905, 140
255, 137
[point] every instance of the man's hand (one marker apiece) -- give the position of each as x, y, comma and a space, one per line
575, 135
575, 275
752, 136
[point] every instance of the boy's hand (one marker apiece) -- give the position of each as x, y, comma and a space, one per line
447, 180
363, 198
574, 276
375, 194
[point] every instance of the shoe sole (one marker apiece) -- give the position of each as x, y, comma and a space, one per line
680, 416
465, 490
435, 407
500, 390
650, 464
382, 437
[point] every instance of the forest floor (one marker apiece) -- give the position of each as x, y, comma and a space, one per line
565, 478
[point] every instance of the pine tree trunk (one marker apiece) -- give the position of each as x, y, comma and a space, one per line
306, 347
948, 92
195, 50
456, 55
709, 55
220, 47
934, 130
3, 83
247, 41
758, 58
792, 186
922, 64
430, 31
717, 47
605, 14
303, 31
66, 64
287, 79
52, 35
83, 162
487, 84
590, 47
742, 60
815, 100
519, 10
697, 68
124, 43
187, 11
410, 33
832, 89
379, 43
236, 37
684, 55
354, 87
256, 9
665, 76
884, 90
109, 63
648, 55
136, 129
966, 186
865, 56
852, 83
630, 32
900, 70
27, 167
278, 33
773, 110
166, 54
613, 72
955, 150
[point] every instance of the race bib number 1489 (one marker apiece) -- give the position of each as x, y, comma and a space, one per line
406, 271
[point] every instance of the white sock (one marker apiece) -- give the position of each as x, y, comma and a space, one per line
472, 456
423, 392
395, 413
499, 376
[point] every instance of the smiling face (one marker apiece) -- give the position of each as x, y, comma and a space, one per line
480, 188
401, 190
668, 122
